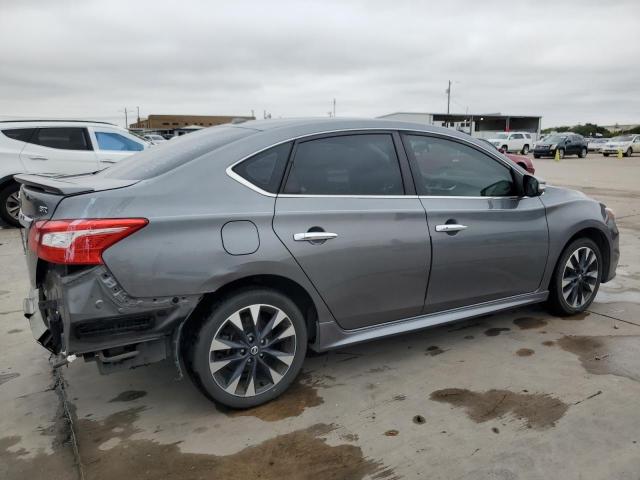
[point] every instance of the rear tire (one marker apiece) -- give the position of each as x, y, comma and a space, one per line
257, 332
583, 153
536, 156
576, 278
525, 150
605, 154
9, 204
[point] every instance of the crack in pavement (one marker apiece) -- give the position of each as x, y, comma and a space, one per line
614, 318
62, 396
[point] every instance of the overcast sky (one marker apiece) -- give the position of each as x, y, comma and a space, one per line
569, 61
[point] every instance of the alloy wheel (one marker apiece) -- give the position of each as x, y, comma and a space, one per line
252, 350
13, 205
580, 277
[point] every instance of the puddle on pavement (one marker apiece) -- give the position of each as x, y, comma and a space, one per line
527, 323
548, 343
577, 316
525, 352
538, 410
434, 350
128, 396
495, 331
302, 394
5, 377
301, 454
606, 355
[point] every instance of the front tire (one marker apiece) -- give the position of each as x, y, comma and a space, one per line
576, 278
629, 152
605, 154
525, 150
583, 153
505, 148
249, 348
10, 204
561, 153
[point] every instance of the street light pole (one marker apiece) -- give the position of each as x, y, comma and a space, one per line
448, 101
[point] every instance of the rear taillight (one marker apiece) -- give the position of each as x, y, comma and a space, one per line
79, 242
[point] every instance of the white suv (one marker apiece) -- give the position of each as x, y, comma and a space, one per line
57, 147
513, 141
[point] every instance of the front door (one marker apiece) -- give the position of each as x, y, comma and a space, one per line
61, 150
344, 217
487, 243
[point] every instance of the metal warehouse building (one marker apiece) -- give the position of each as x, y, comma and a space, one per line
478, 125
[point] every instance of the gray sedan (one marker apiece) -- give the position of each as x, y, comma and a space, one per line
234, 249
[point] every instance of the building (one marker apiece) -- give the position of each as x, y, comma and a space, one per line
170, 125
478, 125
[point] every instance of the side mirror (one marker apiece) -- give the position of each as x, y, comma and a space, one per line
532, 187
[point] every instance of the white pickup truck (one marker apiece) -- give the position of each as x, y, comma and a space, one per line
513, 141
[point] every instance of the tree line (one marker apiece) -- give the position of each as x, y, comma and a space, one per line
591, 129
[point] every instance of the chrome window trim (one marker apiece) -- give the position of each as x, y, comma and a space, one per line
257, 189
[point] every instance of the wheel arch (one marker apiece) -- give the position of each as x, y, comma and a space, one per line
7, 180
284, 285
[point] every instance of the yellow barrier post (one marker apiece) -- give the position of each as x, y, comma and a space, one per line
557, 157
619, 153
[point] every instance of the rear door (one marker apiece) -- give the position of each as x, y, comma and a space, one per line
112, 146
517, 141
487, 243
344, 216
59, 150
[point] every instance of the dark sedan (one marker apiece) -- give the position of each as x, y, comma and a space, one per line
564, 144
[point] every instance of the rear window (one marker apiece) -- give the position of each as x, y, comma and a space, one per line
21, 134
156, 161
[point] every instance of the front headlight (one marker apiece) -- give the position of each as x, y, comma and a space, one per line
610, 214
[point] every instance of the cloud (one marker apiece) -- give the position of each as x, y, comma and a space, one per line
572, 61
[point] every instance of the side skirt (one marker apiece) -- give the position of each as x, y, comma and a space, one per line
330, 335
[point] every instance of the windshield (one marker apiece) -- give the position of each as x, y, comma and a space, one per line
156, 161
623, 138
502, 136
555, 138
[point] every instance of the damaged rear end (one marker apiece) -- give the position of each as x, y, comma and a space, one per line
76, 307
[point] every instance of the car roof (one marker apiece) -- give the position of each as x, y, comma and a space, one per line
53, 123
298, 127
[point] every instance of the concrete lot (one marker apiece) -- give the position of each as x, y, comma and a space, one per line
520, 395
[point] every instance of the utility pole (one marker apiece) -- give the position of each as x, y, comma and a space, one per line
334, 108
138, 109
126, 120
448, 101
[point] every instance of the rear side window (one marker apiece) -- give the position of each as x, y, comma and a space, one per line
346, 165
115, 142
265, 169
63, 138
20, 134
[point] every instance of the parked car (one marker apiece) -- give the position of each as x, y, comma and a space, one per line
564, 143
234, 249
155, 138
596, 144
513, 141
520, 160
628, 144
56, 147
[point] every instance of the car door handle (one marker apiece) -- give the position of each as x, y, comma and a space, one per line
313, 236
450, 227
38, 158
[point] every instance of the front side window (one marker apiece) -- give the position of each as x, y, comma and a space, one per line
115, 142
64, 138
265, 169
448, 168
346, 165
517, 136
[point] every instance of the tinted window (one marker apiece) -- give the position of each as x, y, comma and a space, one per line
156, 161
21, 134
447, 168
115, 141
346, 165
265, 169
517, 136
65, 138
